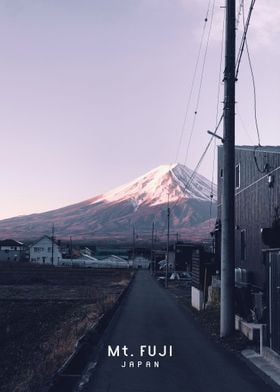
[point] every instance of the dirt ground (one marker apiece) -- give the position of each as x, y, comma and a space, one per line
43, 312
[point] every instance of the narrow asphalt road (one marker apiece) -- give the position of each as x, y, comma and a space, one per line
149, 316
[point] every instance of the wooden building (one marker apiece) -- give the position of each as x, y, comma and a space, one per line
183, 255
257, 198
257, 234
203, 268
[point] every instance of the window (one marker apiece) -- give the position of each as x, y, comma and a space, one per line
237, 176
221, 173
243, 245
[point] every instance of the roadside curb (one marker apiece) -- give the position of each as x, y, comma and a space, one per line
235, 354
88, 348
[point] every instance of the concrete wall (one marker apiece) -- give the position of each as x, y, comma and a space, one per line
197, 298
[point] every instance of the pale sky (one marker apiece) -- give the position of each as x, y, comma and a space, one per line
93, 93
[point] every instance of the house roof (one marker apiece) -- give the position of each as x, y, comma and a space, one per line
270, 149
273, 149
10, 242
114, 258
44, 236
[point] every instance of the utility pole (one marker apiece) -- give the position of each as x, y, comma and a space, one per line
152, 248
133, 245
71, 251
52, 241
228, 202
167, 250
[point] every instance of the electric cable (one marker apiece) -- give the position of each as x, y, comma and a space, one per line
200, 160
244, 37
217, 114
193, 83
253, 183
266, 167
239, 13
198, 99
200, 83
253, 80
238, 115
193, 80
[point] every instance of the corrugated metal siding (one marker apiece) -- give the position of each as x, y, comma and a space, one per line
196, 270
255, 206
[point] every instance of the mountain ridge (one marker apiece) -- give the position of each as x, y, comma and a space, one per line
138, 202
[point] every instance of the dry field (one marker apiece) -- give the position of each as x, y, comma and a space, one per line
43, 312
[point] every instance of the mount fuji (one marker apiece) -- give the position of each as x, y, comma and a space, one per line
112, 215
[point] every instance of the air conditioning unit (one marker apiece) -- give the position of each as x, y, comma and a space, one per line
241, 275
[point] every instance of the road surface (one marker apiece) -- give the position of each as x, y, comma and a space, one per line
150, 316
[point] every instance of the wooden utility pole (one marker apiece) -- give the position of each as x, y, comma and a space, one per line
228, 202
152, 248
52, 242
167, 248
71, 251
133, 244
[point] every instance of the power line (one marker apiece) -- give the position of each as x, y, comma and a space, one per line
217, 114
193, 80
253, 77
243, 126
220, 72
239, 13
206, 149
201, 159
253, 183
244, 36
188, 106
200, 83
198, 98
192, 89
244, 43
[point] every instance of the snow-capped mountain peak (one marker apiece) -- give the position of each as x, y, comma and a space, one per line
141, 202
166, 182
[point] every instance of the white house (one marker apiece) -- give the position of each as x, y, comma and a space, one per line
141, 262
45, 251
11, 250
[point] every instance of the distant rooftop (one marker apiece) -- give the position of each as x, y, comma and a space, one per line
10, 242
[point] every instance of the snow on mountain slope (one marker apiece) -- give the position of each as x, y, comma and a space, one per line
140, 203
158, 185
